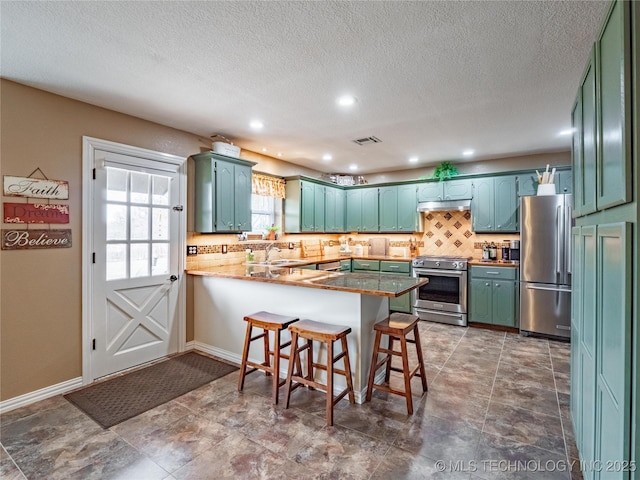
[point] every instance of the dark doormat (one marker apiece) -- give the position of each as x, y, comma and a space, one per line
120, 398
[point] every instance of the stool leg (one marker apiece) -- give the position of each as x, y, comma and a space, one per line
310, 361
387, 373
267, 357
372, 368
293, 357
276, 365
245, 355
347, 369
330, 382
405, 372
423, 375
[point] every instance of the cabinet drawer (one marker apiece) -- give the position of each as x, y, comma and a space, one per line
502, 273
369, 265
395, 267
345, 265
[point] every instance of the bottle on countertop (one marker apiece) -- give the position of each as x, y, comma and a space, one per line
493, 254
485, 251
505, 250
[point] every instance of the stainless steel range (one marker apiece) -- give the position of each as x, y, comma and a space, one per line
444, 298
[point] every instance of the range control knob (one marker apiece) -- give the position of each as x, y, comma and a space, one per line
455, 265
437, 264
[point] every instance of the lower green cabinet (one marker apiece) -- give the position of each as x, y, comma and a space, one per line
493, 296
402, 303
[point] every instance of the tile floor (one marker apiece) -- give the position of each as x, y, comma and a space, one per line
497, 407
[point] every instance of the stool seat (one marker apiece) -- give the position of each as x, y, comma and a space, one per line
268, 322
397, 326
311, 331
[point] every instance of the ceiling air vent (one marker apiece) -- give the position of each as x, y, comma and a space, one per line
367, 140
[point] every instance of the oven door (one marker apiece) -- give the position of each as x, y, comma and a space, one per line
446, 290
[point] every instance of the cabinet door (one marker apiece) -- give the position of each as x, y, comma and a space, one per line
506, 204
480, 300
577, 157
242, 186
613, 344
564, 182
613, 65
354, 210
589, 141
400, 304
504, 303
307, 206
369, 210
482, 205
340, 210
458, 189
527, 184
388, 209
318, 208
429, 192
407, 208
225, 197
333, 210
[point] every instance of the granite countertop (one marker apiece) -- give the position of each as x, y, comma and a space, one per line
335, 258
377, 284
494, 263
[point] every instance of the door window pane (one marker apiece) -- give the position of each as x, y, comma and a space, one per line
116, 222
139, 223
160, 190
139, 266
116, 185
160, 259
160, 228
116, 261
139, 187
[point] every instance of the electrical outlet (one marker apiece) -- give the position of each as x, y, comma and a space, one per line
290, 245
224, 248
192, 250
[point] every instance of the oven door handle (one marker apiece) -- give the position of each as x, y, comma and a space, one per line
438, 312
444, 273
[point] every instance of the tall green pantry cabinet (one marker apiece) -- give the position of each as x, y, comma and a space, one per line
605, 384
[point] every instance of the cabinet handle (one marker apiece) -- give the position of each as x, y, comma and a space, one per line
492, 273
394, 266
497, 285
399, 228
487, 284
499, 226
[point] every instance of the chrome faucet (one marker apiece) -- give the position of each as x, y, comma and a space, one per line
267, 251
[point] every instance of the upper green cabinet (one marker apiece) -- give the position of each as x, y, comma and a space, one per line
362, 210
222, 193
494, 207
313, 207
528, 182
445, 190
602, 119
397, 208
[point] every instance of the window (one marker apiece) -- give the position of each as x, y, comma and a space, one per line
263, 213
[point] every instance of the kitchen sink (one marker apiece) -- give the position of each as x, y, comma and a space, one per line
282, 262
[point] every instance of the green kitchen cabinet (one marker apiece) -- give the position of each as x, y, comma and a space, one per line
494, 207
527, 183
493, 295
345, 265
397, 208
403, 302
334, 210
360, 265
222, 191
304, 206
362, 210
564, 182
460, 189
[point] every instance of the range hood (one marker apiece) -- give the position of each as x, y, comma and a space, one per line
444, 205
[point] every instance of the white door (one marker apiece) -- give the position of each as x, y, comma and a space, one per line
136, 219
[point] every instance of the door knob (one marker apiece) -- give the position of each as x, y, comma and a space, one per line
173, 278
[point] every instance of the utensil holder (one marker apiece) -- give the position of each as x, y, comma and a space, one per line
547, 189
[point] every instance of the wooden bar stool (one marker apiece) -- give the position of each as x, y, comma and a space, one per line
327, 334
397, 326
268, 322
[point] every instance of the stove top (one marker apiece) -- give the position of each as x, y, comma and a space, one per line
441, 262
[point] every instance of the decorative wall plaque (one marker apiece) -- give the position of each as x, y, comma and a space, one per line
36, 213
31, 239
36, 188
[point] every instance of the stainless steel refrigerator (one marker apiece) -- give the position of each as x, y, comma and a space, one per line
545, 265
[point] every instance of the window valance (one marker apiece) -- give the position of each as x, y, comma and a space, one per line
267, 185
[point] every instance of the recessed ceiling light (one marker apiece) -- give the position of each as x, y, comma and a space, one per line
353, 167
568, 131
279, 154
413, 160
256, 124
346, 100
326, 157
468, 153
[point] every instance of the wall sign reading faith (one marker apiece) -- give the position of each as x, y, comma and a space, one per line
36, 188
30, 239
36, 213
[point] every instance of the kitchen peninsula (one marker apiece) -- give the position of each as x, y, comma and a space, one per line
224, 295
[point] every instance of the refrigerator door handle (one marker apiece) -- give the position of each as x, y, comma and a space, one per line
550, 289
568, 241
558, 239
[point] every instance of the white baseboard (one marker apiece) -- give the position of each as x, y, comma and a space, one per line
189, 346
43, 393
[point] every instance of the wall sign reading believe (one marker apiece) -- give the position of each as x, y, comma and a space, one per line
30, 239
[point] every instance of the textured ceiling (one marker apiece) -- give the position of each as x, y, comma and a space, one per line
431, 78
